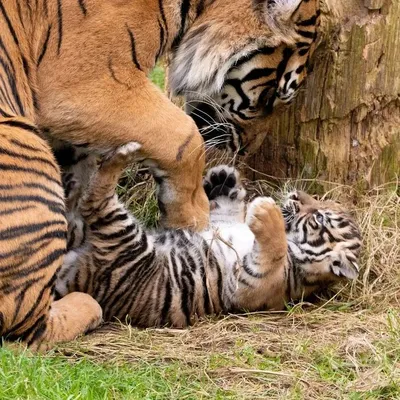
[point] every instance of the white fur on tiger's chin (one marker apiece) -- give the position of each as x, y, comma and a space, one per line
197, 70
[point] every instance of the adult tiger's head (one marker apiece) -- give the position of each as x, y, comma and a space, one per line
323, 239
239, 60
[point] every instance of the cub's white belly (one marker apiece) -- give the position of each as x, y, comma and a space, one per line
230, 242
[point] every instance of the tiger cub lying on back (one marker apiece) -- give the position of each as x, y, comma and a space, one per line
246, 260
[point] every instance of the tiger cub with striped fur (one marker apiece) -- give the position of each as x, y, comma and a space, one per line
257, 258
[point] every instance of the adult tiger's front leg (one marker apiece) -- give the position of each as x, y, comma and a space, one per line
106, 117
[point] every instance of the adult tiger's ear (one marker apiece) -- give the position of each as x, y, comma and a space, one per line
279, 14
344, 267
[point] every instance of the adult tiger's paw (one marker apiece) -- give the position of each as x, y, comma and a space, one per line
224, 181
182, 210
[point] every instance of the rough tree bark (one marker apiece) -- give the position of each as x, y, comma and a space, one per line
345, 124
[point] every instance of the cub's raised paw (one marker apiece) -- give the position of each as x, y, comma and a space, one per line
224, 181
265, 220
122, 155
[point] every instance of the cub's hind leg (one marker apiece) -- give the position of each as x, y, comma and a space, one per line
121, 252
100, 197
109, 222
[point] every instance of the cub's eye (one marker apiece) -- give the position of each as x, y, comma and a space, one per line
319, 218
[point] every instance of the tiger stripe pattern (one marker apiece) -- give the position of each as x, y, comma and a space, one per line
251, 259
33, 229
85, 66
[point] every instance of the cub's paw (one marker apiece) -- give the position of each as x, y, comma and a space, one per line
224, 181
122, 155
265, 220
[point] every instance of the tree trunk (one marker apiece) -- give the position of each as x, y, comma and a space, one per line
344, 126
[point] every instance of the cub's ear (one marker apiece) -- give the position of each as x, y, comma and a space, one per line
343, 267
278, 14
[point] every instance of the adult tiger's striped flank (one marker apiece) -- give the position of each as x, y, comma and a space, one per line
33, 242
251, 260
33, 226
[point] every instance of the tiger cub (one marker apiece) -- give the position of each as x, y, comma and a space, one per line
257, 258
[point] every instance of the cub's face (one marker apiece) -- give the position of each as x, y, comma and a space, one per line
240, 61
322, 233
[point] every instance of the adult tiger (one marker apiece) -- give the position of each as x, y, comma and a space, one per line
232, 75
78, 70
249, 262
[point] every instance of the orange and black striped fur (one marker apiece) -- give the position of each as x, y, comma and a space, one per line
233, 71
33, 233
257, 259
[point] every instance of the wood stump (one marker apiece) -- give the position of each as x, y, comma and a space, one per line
344, 126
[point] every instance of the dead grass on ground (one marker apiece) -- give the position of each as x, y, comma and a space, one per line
345, 345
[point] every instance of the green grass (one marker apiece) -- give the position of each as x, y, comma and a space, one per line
24, 376
158, 76
318, 354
